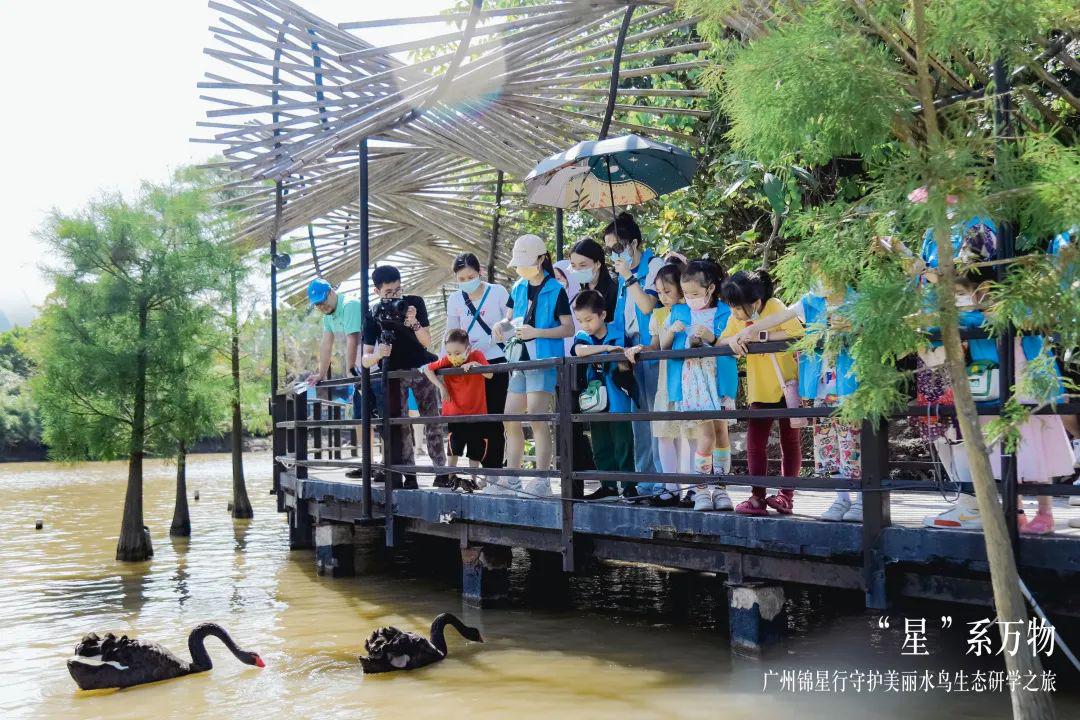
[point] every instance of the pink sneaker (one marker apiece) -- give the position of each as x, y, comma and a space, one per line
752, 506
1041, 524
780, 503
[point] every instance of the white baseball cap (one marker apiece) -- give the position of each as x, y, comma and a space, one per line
527, 249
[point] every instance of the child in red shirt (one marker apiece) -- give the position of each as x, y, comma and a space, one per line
462, 395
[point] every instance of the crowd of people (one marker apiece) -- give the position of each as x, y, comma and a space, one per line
615, 295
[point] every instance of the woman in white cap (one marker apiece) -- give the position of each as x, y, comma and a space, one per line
539, 312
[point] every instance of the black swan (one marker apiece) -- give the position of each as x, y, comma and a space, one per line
390, 649
119, 662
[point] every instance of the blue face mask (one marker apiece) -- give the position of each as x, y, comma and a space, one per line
469, 285
625, 256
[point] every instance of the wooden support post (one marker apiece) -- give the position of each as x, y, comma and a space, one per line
301, 441
365, 313
755, 617
317, 433
279, 442
566, 462
495, 227
335, 434
485, 575
300, 527
558, 234
334, 549
876, 512
390, 456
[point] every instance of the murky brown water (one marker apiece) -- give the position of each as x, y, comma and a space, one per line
626, 643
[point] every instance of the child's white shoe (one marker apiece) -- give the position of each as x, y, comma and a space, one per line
836, 511
854, 513
537, 487
703, 499
721, 501
1075, 499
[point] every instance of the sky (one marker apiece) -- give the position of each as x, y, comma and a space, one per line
101, 95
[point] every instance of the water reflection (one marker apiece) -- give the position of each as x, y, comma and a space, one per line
621, 642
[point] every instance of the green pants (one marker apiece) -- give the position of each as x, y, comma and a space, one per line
613, 448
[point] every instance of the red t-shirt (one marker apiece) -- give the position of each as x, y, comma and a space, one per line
466, 393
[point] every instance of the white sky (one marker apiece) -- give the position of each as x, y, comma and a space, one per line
100, 95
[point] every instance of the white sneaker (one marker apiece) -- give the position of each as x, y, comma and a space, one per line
854, 513
964, 515
1075, 499
494, 486
721, 500
1076, 452
536, 487
836, 511
703, 499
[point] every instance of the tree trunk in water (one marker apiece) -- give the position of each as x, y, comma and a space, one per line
1004, 578
134, 544
241, 503
181, 519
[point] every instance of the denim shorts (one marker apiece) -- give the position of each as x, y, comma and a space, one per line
528, 381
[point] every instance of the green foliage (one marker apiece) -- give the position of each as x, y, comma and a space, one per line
132, 284
810, 91
984, 28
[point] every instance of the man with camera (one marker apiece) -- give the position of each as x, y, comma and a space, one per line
397, 330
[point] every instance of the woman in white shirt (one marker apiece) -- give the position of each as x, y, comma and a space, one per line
475, 308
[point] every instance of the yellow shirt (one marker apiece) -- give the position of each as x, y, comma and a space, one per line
762, 385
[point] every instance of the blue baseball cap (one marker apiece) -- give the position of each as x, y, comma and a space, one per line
317, 291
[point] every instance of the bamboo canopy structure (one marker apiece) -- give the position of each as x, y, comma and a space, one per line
448, 115
495, 94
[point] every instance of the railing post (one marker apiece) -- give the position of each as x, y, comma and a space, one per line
389, 386
876, 511
564, 407
317, 434
278, 413
301, 441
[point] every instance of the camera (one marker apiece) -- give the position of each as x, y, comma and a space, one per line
390, 314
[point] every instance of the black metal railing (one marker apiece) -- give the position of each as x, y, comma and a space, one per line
296, 417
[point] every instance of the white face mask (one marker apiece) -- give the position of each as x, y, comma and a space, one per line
964, 300
581, 277
818, 288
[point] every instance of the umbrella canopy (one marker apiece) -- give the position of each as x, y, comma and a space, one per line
627, 170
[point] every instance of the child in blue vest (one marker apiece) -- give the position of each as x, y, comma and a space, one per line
826, 381
540, 315
612, 442
674, 438
703, 384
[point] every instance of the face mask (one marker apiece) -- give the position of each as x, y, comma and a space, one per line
625, 256
581, 277
457, 359
964, 300
818, 288
469, 285
529, 273
697, 303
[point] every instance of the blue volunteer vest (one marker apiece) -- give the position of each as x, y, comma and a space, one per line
642, 272
618, 400
546, 300
986, 350
727, 368
810, 362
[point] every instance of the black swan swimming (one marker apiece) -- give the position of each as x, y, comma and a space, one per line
390, 649
119, 662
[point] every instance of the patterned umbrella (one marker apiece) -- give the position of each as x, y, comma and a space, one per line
627, 170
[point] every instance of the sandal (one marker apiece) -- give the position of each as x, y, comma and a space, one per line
780, 503
752, 506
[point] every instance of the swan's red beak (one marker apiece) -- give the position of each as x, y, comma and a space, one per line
259, 662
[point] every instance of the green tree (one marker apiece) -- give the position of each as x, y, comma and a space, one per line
834, 79
131, 281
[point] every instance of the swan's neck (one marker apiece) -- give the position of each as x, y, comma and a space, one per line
200, 659
438, 634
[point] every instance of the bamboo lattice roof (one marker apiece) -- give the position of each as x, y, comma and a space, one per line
492, 90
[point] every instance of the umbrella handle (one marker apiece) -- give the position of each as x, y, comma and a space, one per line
611, 190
